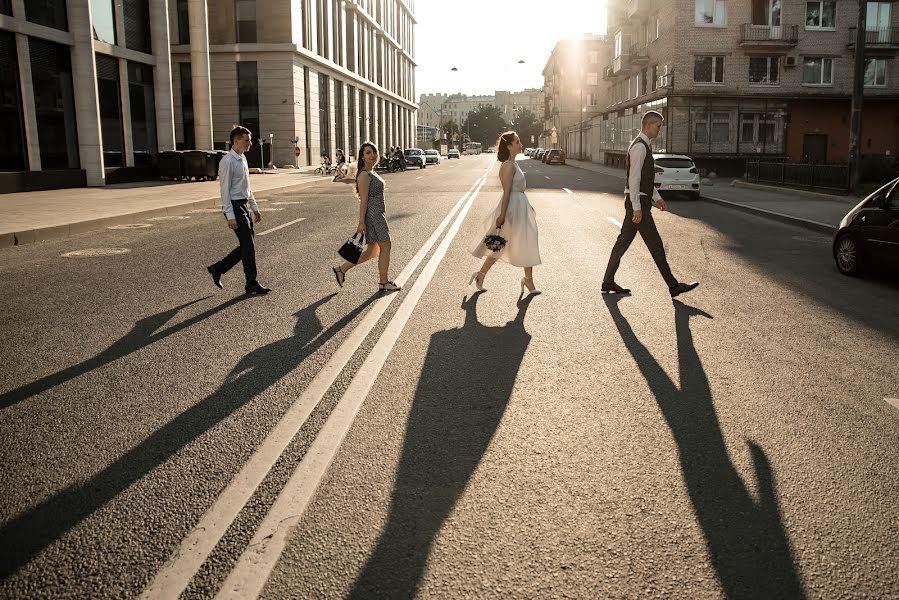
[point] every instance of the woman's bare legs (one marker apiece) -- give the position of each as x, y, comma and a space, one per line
384, 262
373, 250
529, 278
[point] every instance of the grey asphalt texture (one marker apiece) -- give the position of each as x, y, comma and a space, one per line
735, 444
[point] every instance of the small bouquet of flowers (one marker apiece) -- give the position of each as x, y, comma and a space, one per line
494, 242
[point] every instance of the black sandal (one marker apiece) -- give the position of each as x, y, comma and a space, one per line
388, 287
339, 275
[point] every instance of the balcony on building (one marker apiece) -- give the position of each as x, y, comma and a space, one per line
637, 9
769, 36
621, 63
878, 40
639, 55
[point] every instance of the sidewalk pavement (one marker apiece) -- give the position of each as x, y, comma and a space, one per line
35, 216
818, 212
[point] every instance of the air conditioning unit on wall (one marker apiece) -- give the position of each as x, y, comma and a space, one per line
789, 61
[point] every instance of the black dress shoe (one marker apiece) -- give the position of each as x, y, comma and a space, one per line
680, 288
216, 276
614, 288
257, 289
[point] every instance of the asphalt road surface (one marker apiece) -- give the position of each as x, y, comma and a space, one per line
164, 438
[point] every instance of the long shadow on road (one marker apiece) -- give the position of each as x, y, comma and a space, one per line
29, 533
745, 538
465, 386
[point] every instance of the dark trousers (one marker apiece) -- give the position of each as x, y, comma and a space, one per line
246, 251
650, 235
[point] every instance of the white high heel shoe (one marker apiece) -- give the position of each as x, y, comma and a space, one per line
478, 284
531, 291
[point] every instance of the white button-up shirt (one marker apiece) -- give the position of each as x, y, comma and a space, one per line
234, 180
637, 154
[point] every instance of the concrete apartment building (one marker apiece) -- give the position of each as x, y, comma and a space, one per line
748, 78
572, 90
94, 89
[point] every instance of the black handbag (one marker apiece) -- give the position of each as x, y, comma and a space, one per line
351, 249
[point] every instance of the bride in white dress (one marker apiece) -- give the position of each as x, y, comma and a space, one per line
514, 219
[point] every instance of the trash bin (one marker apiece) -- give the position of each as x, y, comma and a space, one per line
170, 165
213, 159
195, 164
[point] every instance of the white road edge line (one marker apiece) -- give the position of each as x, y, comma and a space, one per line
262, 554
567, 190
614, 222
173, 578
894, 402
267, 231
546, 176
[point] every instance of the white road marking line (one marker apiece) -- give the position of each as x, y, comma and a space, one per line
176, 574
614, 222
264, 550
567, 190
546, 176
267, 231
419, 177
894, 402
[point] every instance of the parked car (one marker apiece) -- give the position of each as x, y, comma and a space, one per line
432, 157
527, 151
489, 150
869, 234
677, 173
537, 153
452, 154
415, 157
545, 154
555, 157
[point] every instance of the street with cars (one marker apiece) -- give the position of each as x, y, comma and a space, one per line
164, 438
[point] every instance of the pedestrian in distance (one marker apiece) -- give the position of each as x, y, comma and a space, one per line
513, 219
341, 161
372, 220
641, 175
240, 210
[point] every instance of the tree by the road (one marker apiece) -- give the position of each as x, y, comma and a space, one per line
484, 124
527, 126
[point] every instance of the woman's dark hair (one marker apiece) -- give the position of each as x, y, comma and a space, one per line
239, 131
502, 145
361, 163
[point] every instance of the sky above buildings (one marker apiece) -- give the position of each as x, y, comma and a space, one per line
485, 39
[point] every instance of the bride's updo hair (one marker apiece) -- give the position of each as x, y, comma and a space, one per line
502, 145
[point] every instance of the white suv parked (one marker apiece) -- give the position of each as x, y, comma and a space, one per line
677, 173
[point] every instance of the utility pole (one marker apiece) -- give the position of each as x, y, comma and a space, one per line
858, 91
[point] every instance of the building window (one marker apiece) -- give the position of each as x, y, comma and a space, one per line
245, 12
711, 12
763, 70
877, 22
109, 99
592, 78
351, 121
137, 26
324, 115
708, 69
6, 7
701, 128
187, 105
720, 132
103, 21
620, 45
183, 22
875, 72
338, 114
13, 155
593, 57
143, 112
591, 99
820, 14
248, 106
758, 128
50, 13
817, 71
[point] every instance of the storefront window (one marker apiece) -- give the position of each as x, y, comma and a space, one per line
143, 112
13, 154
109, 98
54, 104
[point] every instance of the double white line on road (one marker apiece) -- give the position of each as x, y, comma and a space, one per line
256, 563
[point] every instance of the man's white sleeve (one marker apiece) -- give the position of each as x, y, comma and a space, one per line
637, 154
225, 186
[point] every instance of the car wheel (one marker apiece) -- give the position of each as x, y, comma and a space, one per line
846, 255
695, 195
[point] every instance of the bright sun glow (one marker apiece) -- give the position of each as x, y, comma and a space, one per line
485, 39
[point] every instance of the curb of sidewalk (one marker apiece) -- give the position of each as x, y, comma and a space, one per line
805, 193
40, 234
790, 219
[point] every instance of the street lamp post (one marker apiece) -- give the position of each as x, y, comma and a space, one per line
271, 151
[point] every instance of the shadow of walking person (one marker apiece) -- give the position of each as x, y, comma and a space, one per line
463, 391
141, 335
745, 538
24, 536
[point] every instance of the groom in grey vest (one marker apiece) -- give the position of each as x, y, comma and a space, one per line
641, 178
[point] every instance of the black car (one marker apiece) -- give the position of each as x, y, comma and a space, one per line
869, 234
555, 157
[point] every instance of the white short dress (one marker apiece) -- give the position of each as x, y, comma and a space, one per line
522, 247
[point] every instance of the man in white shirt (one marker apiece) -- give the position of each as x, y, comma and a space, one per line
638, 215
237, 204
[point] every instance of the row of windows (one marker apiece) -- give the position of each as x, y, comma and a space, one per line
765, 70
819, 14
